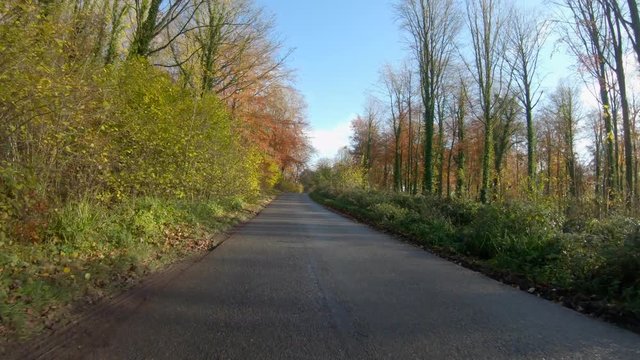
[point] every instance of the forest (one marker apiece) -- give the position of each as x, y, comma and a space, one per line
132, 131
464, 147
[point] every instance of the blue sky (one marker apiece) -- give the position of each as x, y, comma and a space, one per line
339, 48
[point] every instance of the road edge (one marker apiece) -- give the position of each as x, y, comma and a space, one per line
513, 280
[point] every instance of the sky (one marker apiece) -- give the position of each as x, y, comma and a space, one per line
339, 47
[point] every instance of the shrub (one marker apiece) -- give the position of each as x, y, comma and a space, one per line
388, 213
511, 229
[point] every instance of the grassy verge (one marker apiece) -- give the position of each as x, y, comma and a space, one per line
590, 265
90, 250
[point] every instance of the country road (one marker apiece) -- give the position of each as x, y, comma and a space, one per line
300, 282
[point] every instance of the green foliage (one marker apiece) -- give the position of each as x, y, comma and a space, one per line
388, 213
341, 175
289, 186
510, 229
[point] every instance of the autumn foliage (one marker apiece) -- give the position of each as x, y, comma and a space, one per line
111, 143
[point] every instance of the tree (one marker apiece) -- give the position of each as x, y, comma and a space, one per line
616, 36
486, 26
632, 25
153, 17
460, 114
634, 31
564, 108
398, 91
234, 47
365, 138
118, 11
432, 26
526, 38
441, 105
584, 35
506, 126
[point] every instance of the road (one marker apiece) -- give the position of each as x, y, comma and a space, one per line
300, 282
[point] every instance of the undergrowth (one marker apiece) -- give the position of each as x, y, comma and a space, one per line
88, 250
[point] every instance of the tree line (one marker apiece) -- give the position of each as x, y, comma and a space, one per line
115, 99
467, 114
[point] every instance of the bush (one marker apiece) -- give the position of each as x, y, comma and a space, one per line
388, 213
618, 272
511, 230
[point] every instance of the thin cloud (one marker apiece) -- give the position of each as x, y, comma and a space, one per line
327, 142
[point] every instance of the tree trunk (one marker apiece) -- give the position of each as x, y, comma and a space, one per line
624, 102
549, 164
461, 113
144, 33
441, 143
397, 165
531, 139
427, 185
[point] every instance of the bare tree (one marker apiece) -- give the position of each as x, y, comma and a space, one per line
505, 129
365, 135
634, 26
631, 25
413, 132
118, 10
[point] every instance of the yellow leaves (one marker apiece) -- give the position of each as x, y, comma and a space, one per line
66, 270
610, 137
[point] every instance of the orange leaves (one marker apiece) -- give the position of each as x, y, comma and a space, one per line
274, 123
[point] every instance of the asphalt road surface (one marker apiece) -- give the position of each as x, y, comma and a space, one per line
300, 282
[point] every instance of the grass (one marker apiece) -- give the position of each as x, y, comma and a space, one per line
90, 250
589, 264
